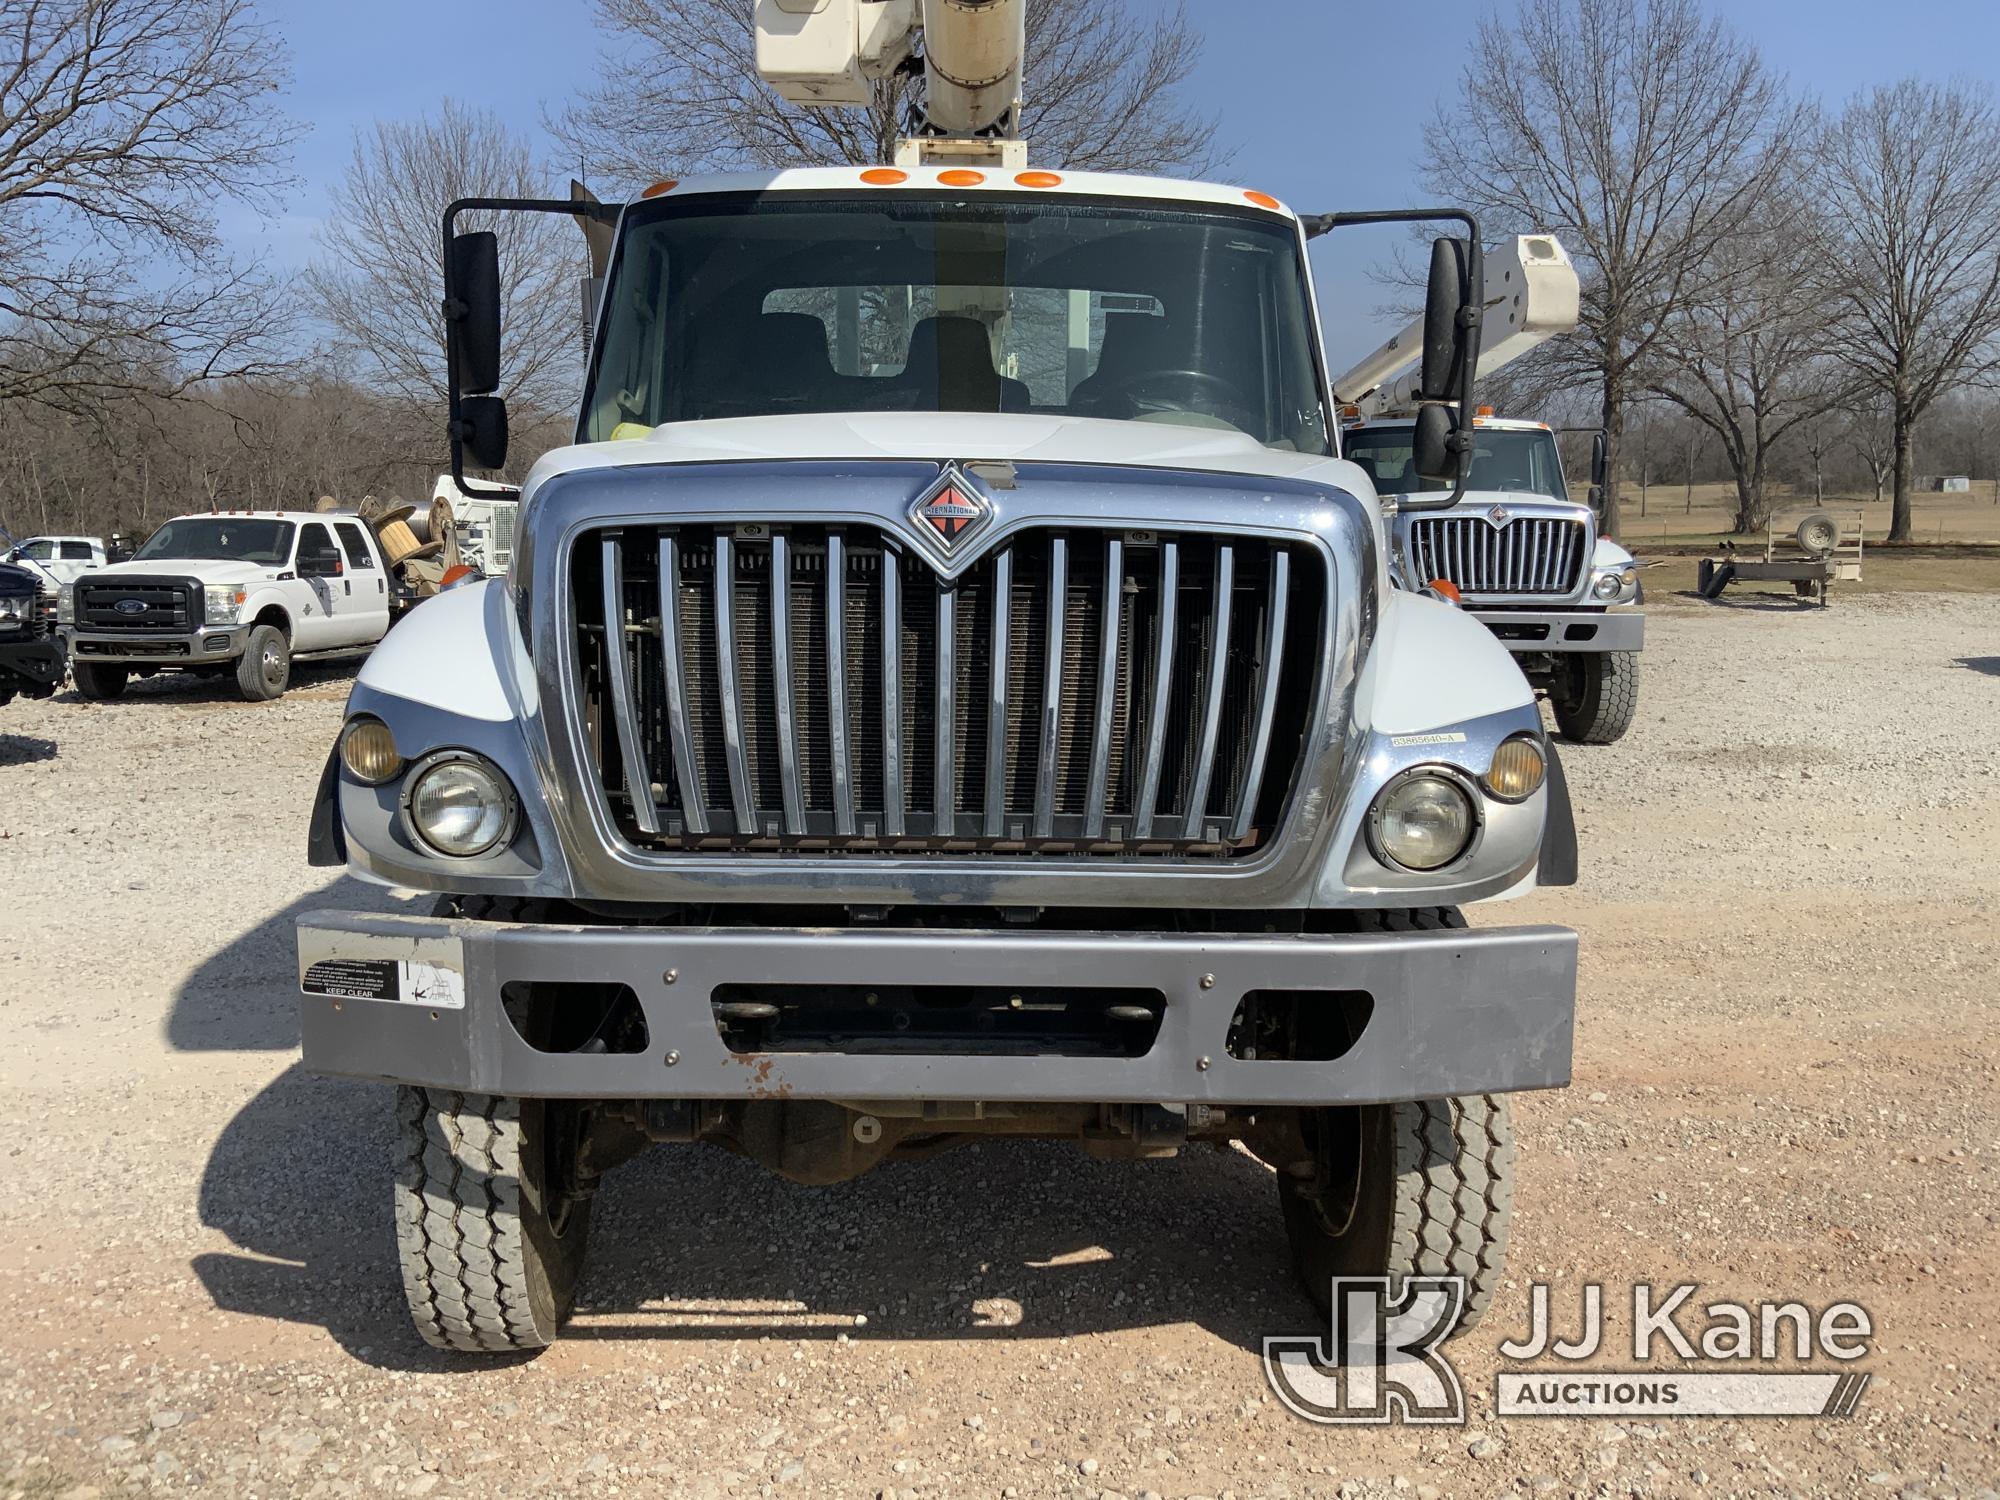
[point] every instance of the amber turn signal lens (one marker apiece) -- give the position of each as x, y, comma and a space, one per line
368, 751
1517, 770
1444, 587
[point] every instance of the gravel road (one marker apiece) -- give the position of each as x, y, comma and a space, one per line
1785, 1088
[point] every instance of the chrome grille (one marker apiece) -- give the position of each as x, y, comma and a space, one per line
820, 687
1529, 555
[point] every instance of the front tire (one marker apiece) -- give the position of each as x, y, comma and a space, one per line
264, 670
490, 1234
1408, 1189
1596, 696
99, 682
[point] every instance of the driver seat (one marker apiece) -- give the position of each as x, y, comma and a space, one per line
1134, 344
950, 366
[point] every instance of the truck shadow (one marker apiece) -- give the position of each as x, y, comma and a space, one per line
25, 749
1740, 597
999, 1240
1986, 666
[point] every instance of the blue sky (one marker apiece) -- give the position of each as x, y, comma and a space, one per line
1323, 100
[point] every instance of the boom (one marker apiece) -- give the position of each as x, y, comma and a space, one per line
831, 52
1531, 296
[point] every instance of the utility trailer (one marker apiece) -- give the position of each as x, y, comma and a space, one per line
1823, 552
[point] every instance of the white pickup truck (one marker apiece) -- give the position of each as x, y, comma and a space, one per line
243, 592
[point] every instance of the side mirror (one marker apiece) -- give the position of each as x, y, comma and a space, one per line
482, 428
1599, 447
1596, 499
472, 310
1433, 453
1448, 332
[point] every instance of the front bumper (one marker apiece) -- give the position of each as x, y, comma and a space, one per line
218, 644
1455, 1011
1534, 630
36, 661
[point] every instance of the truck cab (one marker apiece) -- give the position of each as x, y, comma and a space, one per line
57, 559
240, 593
1523, 558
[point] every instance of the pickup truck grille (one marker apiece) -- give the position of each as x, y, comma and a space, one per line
1531, 555
815, 687
140, 606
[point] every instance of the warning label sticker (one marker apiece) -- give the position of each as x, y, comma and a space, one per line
405, 981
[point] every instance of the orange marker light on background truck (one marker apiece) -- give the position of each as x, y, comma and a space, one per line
664, 185
961, 177
1039, 179
884, 176
1263, 200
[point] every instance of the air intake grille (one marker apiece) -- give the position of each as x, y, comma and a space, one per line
818, 688
1531, 555
139, 605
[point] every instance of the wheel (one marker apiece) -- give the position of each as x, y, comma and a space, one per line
1412, 1189
99, 681
1818, 534
264, 669
490, 1236
1598, 692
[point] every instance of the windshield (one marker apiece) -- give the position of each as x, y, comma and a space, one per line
740, 307
1519, 461
222, 538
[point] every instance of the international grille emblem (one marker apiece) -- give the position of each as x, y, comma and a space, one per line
1499, 515
952, 508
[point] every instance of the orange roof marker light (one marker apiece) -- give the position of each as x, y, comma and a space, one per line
884, 176
1485, 411
1263, 200
961, 177
1039, 179
664, 185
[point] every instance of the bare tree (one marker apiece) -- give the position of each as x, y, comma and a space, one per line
379, 280
123, 125
1642, 135
1909, 179
1746, 354
681, 94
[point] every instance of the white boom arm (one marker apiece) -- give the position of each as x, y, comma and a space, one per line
829, 52
1531, 296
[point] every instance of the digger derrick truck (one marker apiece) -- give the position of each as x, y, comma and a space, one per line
1517, 551
951, 688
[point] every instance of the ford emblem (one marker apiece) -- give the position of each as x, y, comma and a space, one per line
130, 606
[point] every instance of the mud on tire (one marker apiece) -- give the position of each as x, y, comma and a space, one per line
490, 1243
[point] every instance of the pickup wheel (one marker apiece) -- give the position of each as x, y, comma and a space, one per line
98, 682
1410, 1189
490, 1234
264, 670
1595, 696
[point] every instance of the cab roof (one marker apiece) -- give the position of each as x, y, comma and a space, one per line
973, 180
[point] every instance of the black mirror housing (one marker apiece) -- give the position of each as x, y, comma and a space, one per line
1433, 453
482, 429
472, 310
1599, 446
1446, 329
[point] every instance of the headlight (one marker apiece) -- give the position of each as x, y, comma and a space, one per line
460, 806
1517, 770
368, 751
14, 611
1423, 820
1607, 586
222, 603
66, 604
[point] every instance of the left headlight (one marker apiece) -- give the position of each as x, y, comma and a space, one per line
66, 604
15, 610
460, 805
1615, 583
1423, 820
222, 603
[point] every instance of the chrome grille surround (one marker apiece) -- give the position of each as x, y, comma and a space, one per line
1538, 551
570, 514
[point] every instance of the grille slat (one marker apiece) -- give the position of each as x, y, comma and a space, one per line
1530, 555
1076, 693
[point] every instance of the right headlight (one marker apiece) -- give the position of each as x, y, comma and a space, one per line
1423, 820
15, 610
222, 603
66, 604
460, 805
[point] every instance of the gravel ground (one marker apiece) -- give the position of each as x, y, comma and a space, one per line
1785, 1087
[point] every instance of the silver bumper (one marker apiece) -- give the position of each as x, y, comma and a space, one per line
1454, 1012
221, 644
1527, 630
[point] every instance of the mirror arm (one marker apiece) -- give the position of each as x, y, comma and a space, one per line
1470, 316
456, 308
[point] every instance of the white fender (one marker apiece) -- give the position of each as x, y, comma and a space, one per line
451, 653
1433, 666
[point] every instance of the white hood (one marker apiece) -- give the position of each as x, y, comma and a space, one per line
208, 570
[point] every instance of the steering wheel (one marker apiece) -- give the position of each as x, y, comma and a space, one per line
1181, 390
